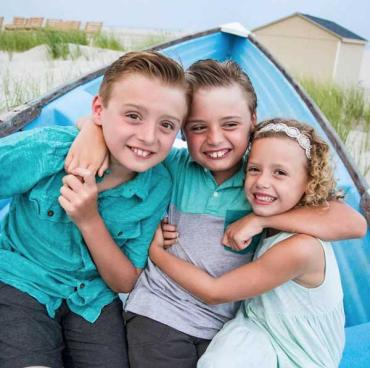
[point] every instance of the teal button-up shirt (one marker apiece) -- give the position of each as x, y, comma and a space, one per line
42, 251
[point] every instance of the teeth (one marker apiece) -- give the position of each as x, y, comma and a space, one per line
140, 152
217, 154
264, 198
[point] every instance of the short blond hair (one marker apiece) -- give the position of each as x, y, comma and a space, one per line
151, 64
210, 73
321, 186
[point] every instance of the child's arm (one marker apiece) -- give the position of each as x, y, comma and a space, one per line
79, 199
283, 262
88, 150
334, 222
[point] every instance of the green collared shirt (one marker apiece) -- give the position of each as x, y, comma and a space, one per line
42, 251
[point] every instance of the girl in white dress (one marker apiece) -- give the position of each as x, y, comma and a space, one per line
292, 314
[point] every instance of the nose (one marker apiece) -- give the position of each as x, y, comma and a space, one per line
214, 136
262, 181
147, 133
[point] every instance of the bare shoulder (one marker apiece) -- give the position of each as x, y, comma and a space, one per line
302, 247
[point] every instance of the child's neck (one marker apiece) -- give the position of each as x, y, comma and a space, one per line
222, 176
117, 175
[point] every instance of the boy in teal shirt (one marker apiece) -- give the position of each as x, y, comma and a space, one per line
55, 309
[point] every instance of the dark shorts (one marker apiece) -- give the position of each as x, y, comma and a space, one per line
152, 344
29, 337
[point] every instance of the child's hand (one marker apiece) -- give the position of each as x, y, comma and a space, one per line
79, 196
239, 234
88, 151
170, 234
157, 244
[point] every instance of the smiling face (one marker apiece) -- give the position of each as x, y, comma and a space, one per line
140, 121
218, 129
276, 175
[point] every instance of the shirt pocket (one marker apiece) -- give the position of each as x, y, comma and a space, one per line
45, 196
49, 209
121, 232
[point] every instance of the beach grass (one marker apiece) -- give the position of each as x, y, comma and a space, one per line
348, 110
106, 41
57, 41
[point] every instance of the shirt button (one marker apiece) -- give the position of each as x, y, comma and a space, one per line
215, 194
50, 213
82, 286
119, 233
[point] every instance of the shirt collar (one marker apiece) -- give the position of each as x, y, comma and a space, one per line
237, 180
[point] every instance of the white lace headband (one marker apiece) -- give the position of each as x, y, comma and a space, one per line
292, 132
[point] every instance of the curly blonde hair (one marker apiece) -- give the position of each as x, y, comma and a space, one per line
321, 186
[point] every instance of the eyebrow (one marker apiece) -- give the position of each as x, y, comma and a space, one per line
231, 117
195, 120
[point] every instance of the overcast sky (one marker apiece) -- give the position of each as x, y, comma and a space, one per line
192, 15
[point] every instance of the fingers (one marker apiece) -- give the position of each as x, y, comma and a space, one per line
167, 243
87, 176
68, 194
235, 243
104, 166
73, 182
68, 161
168, 227
158, 235
65, 204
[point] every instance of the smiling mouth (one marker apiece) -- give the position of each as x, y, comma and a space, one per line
141, 152
216, 155
263, 198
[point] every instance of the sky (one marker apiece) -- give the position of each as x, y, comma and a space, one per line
192, 15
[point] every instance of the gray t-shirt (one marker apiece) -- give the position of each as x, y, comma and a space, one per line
201, 210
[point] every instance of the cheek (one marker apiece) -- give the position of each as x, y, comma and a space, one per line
247, 186
167, 141
194, 143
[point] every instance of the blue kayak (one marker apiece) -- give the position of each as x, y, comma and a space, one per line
278, 96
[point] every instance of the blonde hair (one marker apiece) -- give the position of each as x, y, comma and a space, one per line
321, 185
151, 64
212, 73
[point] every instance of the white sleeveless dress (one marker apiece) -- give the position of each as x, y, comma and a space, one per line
289, 326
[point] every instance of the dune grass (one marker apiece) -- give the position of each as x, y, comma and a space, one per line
57, 41
106, 41
348, 109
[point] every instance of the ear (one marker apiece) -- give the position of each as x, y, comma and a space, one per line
97, 109
254, 120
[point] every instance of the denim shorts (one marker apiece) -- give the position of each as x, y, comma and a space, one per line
30, 337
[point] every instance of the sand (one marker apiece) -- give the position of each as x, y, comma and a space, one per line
29, 74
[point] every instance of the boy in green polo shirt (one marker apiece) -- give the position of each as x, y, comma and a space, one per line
166, 326
55, 309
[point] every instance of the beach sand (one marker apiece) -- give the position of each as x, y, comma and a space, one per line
29, 74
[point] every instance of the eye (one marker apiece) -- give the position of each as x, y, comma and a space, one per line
133, 116
197, 128
168, 125
252, 170
230, 124
280, 172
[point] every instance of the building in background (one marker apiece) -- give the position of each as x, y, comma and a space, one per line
313, 47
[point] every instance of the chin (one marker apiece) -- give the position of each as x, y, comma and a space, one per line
264, 212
